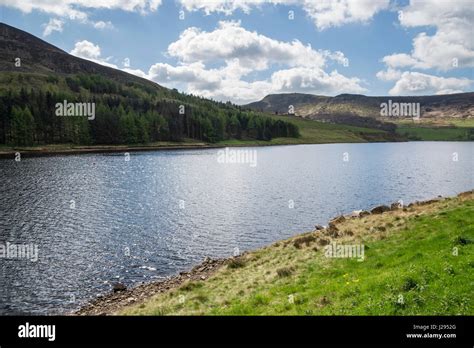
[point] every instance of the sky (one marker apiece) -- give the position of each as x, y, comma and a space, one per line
243, 50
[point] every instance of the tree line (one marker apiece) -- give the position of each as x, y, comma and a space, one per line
127, 114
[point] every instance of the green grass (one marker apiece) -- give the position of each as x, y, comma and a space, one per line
462, 122
314, 132
435, 122
439, 129
428, 133
420, 263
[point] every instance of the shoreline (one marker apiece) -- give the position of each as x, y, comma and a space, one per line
41, 152
44, 151
114, 301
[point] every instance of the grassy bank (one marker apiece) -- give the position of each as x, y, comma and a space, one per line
315, 132
436, 133
441, 129
418, 260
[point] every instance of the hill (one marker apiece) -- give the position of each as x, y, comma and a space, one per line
442, 117
128, 109
131, 111
459, 105
40, 57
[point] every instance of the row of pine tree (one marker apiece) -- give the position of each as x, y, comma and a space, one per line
129, 114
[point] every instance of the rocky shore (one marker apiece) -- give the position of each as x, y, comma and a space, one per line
122, 297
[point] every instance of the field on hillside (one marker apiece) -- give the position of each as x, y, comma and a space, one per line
439, 129
314, 132
436, 133
435, 122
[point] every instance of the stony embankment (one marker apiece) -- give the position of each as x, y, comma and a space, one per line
379, 221
121, 296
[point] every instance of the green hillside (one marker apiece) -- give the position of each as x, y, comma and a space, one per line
129, 109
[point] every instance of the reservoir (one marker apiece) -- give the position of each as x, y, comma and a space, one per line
97, 219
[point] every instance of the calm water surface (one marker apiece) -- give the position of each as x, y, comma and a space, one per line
167, 210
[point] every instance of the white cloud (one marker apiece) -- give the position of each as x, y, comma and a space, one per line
231, 41
240, 52
77, 9
54, 24
301, 67
315, 81
225, 83
415, 83
450, 47
402, 60
74, 8
238, 91
221, 84
389, 74
195, 75
86, 49
60, 8
103, 25
222, 6
324, 13
333, 13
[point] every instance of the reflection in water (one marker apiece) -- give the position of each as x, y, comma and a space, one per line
97, 219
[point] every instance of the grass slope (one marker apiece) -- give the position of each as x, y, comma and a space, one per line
314, 132
436, 133
441, 129
418, 261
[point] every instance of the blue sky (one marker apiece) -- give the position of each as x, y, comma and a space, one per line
241, 51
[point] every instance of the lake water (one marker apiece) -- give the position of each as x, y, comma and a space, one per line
99, 218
